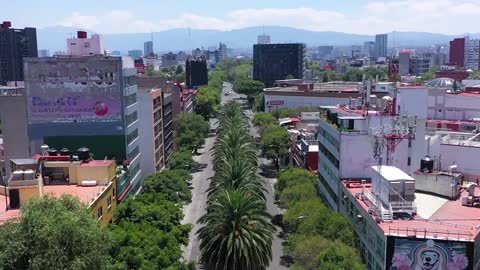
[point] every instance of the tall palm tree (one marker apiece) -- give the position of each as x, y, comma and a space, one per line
237, 174
237, 233
234, 143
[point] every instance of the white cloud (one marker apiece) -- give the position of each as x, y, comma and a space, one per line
443, 16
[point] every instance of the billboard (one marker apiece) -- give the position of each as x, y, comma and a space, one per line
428, 254
73, 90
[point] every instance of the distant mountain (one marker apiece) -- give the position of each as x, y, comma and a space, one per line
53, 38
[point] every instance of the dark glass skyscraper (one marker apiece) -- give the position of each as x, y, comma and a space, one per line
273, 62
196, 73
15, 44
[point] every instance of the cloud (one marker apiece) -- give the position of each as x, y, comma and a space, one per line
443, 16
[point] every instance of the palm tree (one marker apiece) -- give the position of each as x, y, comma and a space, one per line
237, 174
234, 143
237, 233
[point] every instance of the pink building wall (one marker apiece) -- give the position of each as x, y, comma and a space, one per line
82, 45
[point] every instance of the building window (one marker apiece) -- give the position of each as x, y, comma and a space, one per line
100, 212
131, 99
409, 161
113, 192
132, 136
132, 155
132, 118
109, 202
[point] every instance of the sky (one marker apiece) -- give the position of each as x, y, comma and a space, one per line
350, 16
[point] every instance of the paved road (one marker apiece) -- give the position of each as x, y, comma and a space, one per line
200, 183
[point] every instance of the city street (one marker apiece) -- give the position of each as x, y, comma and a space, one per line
200, 183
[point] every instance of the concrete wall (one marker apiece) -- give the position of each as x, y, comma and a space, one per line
304, 101
147, 146
13, 114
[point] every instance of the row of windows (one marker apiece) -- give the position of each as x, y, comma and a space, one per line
132, 155
132, 118
129, 81
329, 156
131, 99
132, 136
109, 205
332, 140
330, 191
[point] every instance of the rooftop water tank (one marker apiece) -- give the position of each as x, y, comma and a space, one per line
53, 152
83, 153
29, 175
64, 152
17, 175
426, 164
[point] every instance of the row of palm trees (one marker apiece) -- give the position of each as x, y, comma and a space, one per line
237, 233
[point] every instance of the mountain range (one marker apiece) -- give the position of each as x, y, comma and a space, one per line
54, 38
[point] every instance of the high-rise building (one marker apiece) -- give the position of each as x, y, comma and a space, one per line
169, 59
222, 51
15, 44
135, 53
381, 42
83, 46
369, 48
457, 52
404, 67
86, 101
43, 53
148, 48
472, 53
273, 62
196, 73
264, 39
325, 52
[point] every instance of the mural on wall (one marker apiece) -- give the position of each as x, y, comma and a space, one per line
412, 254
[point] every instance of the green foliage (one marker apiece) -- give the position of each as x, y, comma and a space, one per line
248, 87
263, 119
192, 129
148, 233
430, 75
207, 98
179, 69
316, 252
275, 142
260, 102
181, 160
237, 233
173, 183
54, 234
292, 112
234, 68
322, 238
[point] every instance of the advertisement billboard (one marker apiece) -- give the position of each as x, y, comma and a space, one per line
73, 90
428, 254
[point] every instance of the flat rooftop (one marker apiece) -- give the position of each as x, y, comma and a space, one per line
437, 218
332, 87
85, 194
7, 215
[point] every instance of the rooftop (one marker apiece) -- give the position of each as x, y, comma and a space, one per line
85, 194
391, 173
7, 215
330, 87
436, 218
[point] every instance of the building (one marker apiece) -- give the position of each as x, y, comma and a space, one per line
402, 228
116, 53
56, 174
408, 64
404, 59
348, 133
278, 61
78, 101
325, 52
452, 73
169, 60
16, 44
381, 42
263, 39
222, 51
369, 48
472, 53
168, 119
196, 73
82, 45
135, 54
13, 115
457, 52
148, 49
151, 123
43, 53
299, 94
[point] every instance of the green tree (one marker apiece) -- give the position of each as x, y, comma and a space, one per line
237, 233
294, 176
173, 183
179, 69
208, 99
54, 234
353, 75
263, 119
181, 160
250, 88
192, 129
275, 143
260, 102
